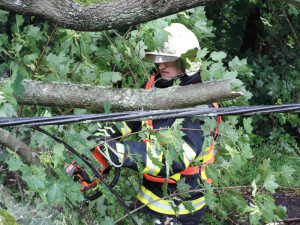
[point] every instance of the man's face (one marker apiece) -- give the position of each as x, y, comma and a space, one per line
169, 70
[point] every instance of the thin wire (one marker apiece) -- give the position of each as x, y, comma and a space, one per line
146, 115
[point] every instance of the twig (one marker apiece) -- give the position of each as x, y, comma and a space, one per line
143, 66
38, 62
287, 19
20, 186
80, 60
225, 215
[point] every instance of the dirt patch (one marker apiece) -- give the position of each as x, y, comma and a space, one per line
291, 201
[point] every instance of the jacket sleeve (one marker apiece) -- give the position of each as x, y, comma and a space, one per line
152, 160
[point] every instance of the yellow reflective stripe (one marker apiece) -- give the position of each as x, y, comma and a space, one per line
176, 177
162, 206
125, 130
186, 161
208, 157
150, 167
203, 175
202, 154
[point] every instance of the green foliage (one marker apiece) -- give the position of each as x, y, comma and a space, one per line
253, 47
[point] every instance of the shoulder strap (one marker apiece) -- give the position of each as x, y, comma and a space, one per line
149, 84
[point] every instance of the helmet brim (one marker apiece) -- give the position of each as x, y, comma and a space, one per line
159, 58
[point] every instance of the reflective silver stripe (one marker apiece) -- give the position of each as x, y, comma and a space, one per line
156, 204
188, 151
153, 167
126, 130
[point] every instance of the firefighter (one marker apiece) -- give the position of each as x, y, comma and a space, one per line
170, 70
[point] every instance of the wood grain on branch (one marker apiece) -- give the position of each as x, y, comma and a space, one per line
99, 16
122, 99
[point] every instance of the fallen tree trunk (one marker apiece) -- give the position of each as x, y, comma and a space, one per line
101, 15
95, 97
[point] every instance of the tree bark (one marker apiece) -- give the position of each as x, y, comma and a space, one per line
99, 16
23, 150
95, 97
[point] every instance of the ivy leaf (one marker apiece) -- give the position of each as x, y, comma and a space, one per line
270, 183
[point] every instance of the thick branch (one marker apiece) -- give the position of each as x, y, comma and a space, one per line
80, 96
23, 150
101, 16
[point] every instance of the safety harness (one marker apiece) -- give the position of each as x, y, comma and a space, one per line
191, 170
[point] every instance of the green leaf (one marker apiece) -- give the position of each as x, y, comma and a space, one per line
268, 208
264, 168
188, 57
212, 173
281, 212
3, 16
33, 33
189, 206
270, 183
108, 221
14, 163
58, 154
107, 106
182, 186
240, 66
246, 150
247, 125
286, 173
218, 56
55, 193
107, 78
17, 85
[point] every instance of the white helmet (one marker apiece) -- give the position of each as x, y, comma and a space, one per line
179, 42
